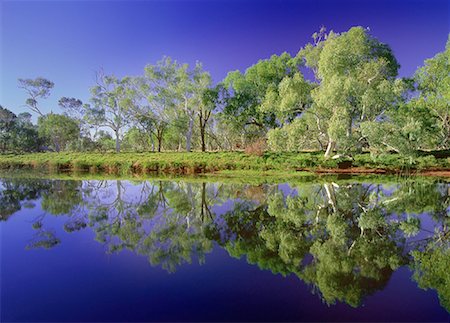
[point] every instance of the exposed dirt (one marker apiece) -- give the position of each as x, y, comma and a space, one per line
442, 172
362, 170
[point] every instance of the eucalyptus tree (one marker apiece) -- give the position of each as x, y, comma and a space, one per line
405, 130
211, 99
289, 99
433, 82
423, 122
247, 92
153, 114
356, 76
70, 105
189, 89
291, 103
38, 88
112, 99
73, 108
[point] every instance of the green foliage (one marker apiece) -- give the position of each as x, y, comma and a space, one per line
433, 82
58, 130
254, 95
17, 133
356, 81
407, 129
354, 103
137, 140
431, 271
7, 127
38, 88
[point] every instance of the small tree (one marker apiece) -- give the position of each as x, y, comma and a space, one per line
8, 122
58, 130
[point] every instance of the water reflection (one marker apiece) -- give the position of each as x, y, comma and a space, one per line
344, 239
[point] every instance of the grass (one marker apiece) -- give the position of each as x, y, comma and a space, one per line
211, 162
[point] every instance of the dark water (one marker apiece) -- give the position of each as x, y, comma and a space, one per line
117, 250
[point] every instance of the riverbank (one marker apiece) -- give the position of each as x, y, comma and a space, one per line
213, 162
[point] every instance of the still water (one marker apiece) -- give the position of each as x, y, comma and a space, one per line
187, 250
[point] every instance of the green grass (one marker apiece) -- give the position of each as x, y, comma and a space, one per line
212, 162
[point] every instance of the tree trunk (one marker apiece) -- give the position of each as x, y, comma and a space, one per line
117, 141
152, 143
189, 134
330, 148
204, 209
202, 136
331, 195
159, 137
57, 146
349, 128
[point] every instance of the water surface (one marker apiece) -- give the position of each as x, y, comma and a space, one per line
187, 250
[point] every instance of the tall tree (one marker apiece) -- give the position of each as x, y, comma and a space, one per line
433, 82
36, 89
111, 104
211, 99
247, 92
155, 90
356, 81
189, 88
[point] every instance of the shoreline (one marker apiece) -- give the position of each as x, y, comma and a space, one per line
213, 163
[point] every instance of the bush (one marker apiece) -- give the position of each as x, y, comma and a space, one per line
256, 148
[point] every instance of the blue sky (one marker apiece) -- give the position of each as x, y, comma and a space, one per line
66, 41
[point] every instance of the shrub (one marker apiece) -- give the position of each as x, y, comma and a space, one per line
256, 148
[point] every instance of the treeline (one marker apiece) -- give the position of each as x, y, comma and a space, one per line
340, 93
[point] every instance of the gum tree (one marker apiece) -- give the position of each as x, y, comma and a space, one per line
433, 82
111, 100
244, 109
188, 89
38, 88
356, 82
152, 114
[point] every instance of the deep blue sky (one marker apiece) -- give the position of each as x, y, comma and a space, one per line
66, 41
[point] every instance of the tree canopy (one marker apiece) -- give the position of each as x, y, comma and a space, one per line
340, 94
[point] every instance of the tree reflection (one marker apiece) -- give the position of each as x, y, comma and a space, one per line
343, 239
18, 193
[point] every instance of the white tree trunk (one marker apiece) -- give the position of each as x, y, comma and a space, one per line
152, 141
331, 195
117, 141
189, 133
330, 148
